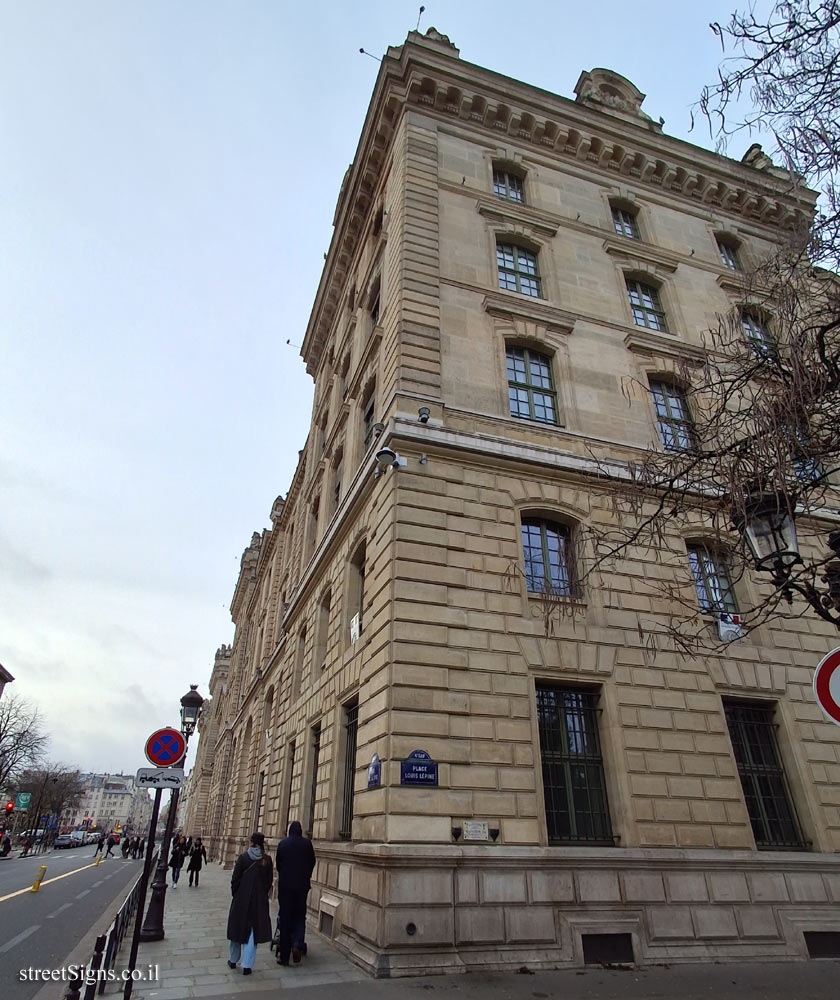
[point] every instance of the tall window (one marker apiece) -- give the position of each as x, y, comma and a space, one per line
297, 677
548, 563
356, 588
766, 793
576, 808
728, 251
290, 765
673, 419
530, 388
507, 185
322, 631
625, 222
518, 270
645, 305
711, 580
313, 789
368, 418
351, 726
757, 335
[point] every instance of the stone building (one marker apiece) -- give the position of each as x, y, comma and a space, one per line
109, 802
486, 787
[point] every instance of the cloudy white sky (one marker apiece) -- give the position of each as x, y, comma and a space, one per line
168, 175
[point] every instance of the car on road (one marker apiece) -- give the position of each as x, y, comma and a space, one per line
65, 840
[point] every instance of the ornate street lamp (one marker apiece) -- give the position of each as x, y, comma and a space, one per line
766, 524
765, 521
152, 929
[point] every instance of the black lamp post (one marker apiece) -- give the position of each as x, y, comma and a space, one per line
766, 523
152, 929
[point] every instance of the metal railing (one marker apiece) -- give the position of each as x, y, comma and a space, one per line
93, 977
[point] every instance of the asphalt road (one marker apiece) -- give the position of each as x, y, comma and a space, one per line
39, 930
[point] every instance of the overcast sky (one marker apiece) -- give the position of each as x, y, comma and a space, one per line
168, 176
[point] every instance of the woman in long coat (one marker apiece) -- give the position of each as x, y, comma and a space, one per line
249, 922
176, 862
197, 852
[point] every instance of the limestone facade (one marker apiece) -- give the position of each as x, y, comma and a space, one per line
588, 803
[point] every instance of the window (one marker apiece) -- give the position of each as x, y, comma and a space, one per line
673, 419
711, 580
367, 419
290, 767
313, 787
772, 816
351, 726
625, 222
322, 630
547, 550
757, 335
507, 185
728, 251
576, 809
356, 588
374, 310
530, 389
645, 306
518, 270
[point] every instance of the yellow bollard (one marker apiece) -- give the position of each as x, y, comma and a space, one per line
98, 859
39, 878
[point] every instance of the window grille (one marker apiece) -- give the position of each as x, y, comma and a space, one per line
530, 387
573, 770
711, 580
351, 726
772, 816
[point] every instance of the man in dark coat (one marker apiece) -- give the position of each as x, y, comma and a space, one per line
197, 852
295, 864
249, 922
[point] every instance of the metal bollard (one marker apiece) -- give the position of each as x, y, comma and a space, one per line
39, 878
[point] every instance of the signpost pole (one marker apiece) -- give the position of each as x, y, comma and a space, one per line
141, 902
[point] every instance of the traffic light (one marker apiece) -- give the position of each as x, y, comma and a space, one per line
10, 808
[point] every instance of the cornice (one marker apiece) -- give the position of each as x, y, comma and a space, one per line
514, 215
511, 305
656, 345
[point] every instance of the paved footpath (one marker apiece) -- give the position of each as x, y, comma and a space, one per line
192, 962
192, 958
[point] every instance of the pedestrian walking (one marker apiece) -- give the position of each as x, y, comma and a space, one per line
6, 847
176, 861
141, 850
295, 864
99, 845
110, 842
124, 846
197, 852
249, 921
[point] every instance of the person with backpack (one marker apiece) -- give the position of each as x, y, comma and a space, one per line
249, 921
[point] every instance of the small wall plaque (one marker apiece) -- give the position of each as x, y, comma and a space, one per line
418, 769
476, 830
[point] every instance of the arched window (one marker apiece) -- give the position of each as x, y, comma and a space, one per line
711, 580
673, 417
645, 305
547, 549
518, 270
530, 385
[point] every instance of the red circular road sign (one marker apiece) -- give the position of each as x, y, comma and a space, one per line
827, 685
165, 747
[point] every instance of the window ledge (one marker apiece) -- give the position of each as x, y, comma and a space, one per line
650, 344
499, 303
624, 247
514, 212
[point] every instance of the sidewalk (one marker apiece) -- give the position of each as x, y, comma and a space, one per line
192, 958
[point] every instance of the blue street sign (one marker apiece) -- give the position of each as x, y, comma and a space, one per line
418, 769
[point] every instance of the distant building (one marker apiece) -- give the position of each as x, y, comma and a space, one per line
487, 789
5, 678
110, 801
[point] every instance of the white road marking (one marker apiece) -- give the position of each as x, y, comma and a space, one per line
84, 892
64, 906
97, 884
20, 937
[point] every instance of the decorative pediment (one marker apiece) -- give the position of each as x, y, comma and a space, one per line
653, 345
512, 306
637, 252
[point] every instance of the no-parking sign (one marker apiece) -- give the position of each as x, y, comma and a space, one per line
827, 685
165, 747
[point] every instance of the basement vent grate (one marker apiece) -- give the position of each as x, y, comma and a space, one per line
325, 925
823, 944
607, 949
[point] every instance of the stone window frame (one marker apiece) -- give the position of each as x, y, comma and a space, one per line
674, 384
568, 516
323, 619
625, 207
503, 171
522, 276
729, 251
535, 239
645, 289
567, 565
355, 592
723, 568
756, 324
